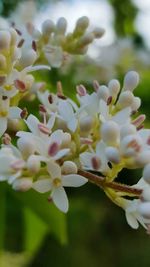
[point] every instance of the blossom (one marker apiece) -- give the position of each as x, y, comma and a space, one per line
56, 184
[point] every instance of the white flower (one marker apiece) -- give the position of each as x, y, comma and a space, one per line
7, 112
56, 184
95, 160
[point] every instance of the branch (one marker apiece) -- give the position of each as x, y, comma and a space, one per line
101, 182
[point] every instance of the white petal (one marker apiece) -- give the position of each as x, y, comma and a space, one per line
131, 220
3, 125
72, 124
32, 123
38, 67
73, 180
42, 186
122, 116
54, 169
51, 121
61, 153
60, 199
85, 159
14, 113
65, 110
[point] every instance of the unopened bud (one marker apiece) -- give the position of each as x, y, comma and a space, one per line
81, 25
125, 99
61, 26
136, 103
103, 92
85, 39
127, 129
48, 27
131, 81
86, 124
98, 32
5, 39
143, 158
33, 164
114, 87
69, 167
110, 132
112, 154
23, 184
26, 146
28, 58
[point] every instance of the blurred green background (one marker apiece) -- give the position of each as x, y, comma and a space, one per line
94, 233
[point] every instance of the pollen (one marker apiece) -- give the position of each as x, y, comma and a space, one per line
57, 182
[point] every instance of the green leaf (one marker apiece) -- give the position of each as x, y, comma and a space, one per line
55, 220
2, 217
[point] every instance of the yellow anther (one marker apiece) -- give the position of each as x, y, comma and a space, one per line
57, 182
3, 113
8, 87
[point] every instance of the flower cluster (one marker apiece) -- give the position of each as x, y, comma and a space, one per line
71, 142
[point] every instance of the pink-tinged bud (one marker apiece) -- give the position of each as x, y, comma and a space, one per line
53, 149
96, 85
33, 164
139, 120
109, 100
81, 90
20, 85
131, 81
6, 139
144, 209
24, 113
44, 129
23, 184
69, 167
96, 163
17, 165
86, 141
42, 108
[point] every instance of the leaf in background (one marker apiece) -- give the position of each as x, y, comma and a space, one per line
55, 219
2, 216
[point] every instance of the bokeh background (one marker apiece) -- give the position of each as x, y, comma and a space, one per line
94, 233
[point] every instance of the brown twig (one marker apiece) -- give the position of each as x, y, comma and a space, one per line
101, 182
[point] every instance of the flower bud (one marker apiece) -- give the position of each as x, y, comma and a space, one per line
144, 209
28, 58
26, 146
112, 154
69, 167
103, 92
131, 81
33, 164
14, 36
125, 99
61, 26
66, 140
48, 27
136, 103
81, 25
114, 87
85, 39
4, 40
127, 129
86, 124
143, 158
23, 184
98, 32
131, 145
146, 173
110, 132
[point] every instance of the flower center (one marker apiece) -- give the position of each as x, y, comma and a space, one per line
3, 113
57, 182
8, 87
